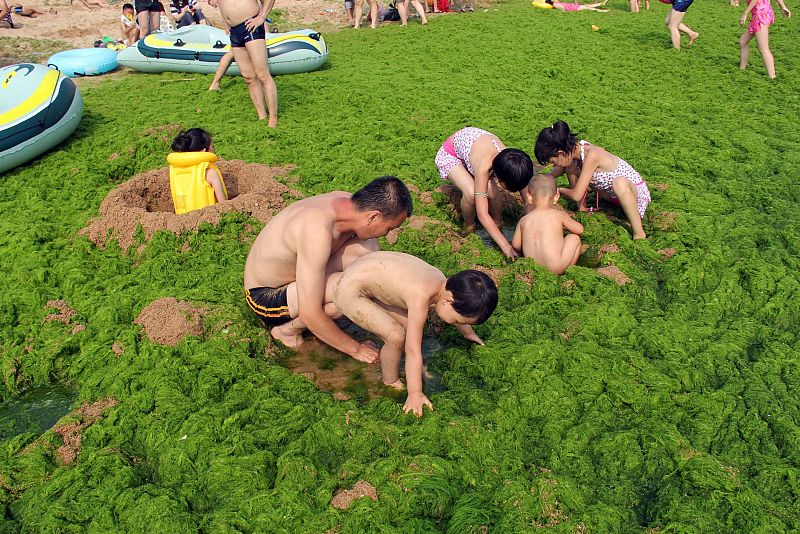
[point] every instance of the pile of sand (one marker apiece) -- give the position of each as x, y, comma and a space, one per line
344, 498
167, 321
145, 200
72, 433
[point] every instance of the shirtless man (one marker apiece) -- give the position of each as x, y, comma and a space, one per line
540, 233
391, 293
246, 19
300, 254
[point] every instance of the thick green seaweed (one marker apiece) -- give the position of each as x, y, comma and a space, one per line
669, 403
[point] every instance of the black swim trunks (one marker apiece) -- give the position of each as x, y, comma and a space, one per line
147, 5
241, 35
270, 304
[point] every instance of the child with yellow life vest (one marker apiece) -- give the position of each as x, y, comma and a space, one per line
194, 180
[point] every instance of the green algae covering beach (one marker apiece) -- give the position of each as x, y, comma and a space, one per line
655, 387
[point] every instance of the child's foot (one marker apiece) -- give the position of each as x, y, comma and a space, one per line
692, 39
640, 235
290, 339
273, 123
214, 87
468, 229
397, 384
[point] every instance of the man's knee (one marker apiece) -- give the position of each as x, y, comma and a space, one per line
396, 337
263, 76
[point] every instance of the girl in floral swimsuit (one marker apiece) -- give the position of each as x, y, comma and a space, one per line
477, 163
588, 166
762, 18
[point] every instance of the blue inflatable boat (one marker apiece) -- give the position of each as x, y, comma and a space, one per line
39, 108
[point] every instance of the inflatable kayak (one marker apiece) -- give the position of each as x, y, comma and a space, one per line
198, 49
39, 108
84, 61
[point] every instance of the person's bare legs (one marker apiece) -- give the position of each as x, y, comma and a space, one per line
257, 51
143, 18
224, 63
373, 13
372, 317
155, 21
420, 10
569, 255
762, 39
402, 9
291, 333
625, 192
744, 49
254, 87
460, 177
675, 24
358, 13
634, 6
592, 7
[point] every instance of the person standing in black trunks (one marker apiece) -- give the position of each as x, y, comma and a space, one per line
246, 19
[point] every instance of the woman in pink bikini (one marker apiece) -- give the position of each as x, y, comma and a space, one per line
565, 6
762, 18
477, 163
590, 166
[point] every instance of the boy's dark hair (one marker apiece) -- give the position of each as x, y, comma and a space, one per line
387, 195
543, 186
513, 168
192, 140
474, 294
127, 6
551, 140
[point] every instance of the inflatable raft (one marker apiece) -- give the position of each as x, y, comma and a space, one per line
84, 61
39, 108
199, 48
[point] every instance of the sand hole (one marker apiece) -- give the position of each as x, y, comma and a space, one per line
145, 200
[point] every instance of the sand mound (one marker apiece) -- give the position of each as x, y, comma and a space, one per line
167, 321
65, 313
614, 273
72, 433
145, 200
344, 498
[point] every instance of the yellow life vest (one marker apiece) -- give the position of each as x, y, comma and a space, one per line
187, 180
541, 5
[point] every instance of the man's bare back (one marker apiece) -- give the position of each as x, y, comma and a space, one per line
396, 279
272, 261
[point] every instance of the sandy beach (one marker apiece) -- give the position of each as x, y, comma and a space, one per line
80, 27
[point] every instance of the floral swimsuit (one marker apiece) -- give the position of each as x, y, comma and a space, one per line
604, 181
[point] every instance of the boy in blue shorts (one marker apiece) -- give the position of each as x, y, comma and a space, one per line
675, 23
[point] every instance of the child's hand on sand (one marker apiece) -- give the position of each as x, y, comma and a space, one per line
415, 402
